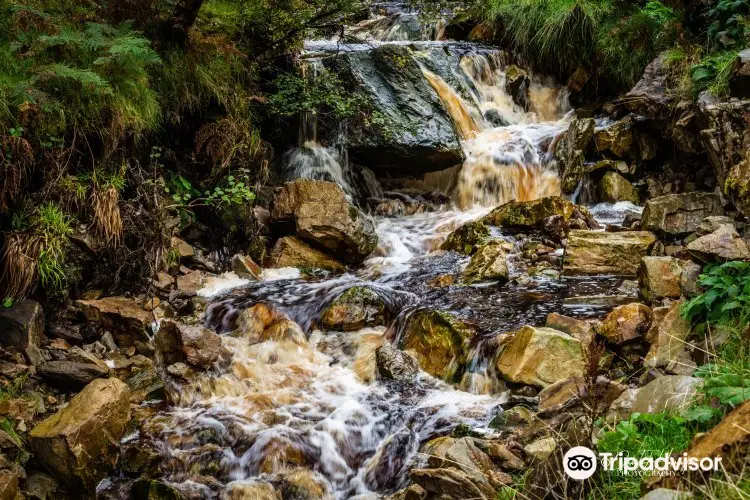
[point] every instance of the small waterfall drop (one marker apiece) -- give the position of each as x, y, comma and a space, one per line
507, 162
311, 159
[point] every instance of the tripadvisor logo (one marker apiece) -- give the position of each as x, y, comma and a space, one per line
580, 463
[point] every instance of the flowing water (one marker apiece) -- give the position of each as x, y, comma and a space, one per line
310, 398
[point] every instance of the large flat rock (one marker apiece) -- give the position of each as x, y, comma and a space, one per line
597, 253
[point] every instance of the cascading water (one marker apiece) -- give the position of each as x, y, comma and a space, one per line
311, 159
295, 399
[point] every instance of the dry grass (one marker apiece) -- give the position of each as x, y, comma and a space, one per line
15, 158
19, 263
107, 219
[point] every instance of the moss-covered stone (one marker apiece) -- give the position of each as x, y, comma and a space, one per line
613, 188
540, 357
595, 252
439, 341
488, 263
529, 214
467, 238
354, 309
292, 252
148, 489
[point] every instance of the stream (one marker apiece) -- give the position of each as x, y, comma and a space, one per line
313, 400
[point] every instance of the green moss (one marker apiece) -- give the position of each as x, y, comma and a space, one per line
467, 238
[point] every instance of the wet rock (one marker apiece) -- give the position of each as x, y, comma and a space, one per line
120, 315
22, 327
163, 281
145, 385
574, 391
245, 267
540, 357
78, 444
592, 252
284, 330
439, 342
541, 449
660, 277
488, 263
613, 188
730, 440
668, 339
626, 323
69, 374
195, 345
529, 214
679, 214
424, 138
324, 218
302, 484
41, 486
451, 483
726, 141
467, 238
570, 153
353, 310
293, 252
666, 393
517, 83
245, 490
582, 330
722, 245
150, 489
465, 455
395, 364
619, 138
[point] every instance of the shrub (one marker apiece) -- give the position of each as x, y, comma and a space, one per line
727, 294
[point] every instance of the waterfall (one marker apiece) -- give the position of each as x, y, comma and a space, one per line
506, 162
311, 159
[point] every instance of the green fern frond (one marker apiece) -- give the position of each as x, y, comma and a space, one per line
85, 77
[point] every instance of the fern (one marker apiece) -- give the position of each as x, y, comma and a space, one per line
87, 78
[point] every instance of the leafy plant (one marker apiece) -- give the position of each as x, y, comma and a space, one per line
712, 74
727, 28
727, 294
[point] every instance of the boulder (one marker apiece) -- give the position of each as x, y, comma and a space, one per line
120, 315
619, 138
575, 391
517, 83
541, 449
626, 323
660, 277
613, 188
322, 217
190, 283
150, 489
579, 329
726, 141
299, 484
722, 245
421, 136
729, 440
593, 252
540, 357
465, 455
649, 97
467, 238
689, 279
9, 485
78, 444
668, 344
529, 214
451, 483
488, 263
354, 309
672, 393
246, 490
395, 364
184, 249
679, 214
570, 153
292, 252
439, 342
22, 327
192, 344
70, 374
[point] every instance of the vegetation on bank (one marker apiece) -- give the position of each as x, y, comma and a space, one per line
615, 40
115, 117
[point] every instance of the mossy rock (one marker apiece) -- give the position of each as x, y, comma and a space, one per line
354, 309
439, 341
613, 188
488, 263
467, 238
529, 214
147, 489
